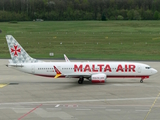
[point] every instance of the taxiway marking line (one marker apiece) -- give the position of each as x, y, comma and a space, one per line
3, 85
53, 108
14, 108
113, 109
70, 101
152, 106
142, 110
22, 108
83, 109
96, 107
57, 105
29, 112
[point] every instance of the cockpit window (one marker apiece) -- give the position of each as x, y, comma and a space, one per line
148, 67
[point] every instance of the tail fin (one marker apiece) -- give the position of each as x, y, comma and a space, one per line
18, 54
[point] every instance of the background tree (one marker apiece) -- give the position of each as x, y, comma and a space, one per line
156, 15
79, 9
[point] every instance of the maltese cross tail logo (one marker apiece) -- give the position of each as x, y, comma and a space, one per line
15, 50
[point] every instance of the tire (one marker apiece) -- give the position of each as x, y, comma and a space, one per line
141, 81
80, 81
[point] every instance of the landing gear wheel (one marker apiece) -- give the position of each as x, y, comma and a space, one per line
80, 81
141, 81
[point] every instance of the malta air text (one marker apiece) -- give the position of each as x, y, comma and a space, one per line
103, 68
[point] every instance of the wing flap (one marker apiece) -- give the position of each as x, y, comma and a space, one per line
73, 75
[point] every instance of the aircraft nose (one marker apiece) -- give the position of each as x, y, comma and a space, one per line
154, 71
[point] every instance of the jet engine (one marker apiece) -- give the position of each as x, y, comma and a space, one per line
98, 78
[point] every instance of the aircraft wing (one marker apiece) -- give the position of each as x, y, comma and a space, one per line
73, 75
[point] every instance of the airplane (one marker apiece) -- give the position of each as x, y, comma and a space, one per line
96, 72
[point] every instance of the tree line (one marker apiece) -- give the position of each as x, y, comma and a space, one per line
26, 10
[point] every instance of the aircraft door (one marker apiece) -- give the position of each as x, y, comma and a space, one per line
151, 71
139, 69
33, 69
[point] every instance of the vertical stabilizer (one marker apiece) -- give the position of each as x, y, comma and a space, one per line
18, 54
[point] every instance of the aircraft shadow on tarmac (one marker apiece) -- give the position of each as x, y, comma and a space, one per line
76, 83
69, 84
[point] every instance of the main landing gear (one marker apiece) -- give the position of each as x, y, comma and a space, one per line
80, 81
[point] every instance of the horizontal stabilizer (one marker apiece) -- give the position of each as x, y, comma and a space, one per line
10, 61
14, 65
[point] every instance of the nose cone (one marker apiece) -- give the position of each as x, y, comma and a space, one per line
154, 71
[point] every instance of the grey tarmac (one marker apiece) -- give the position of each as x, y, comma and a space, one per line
28, 97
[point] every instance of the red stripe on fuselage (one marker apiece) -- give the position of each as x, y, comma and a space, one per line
142, 76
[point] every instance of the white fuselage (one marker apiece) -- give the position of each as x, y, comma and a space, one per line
86, 69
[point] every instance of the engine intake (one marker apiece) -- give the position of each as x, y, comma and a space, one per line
98, 78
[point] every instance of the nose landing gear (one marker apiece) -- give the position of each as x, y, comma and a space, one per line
141, 81
142, 78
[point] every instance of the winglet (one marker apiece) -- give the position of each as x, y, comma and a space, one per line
66, 58
58, 73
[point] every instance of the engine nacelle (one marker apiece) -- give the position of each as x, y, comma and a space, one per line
98, 78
